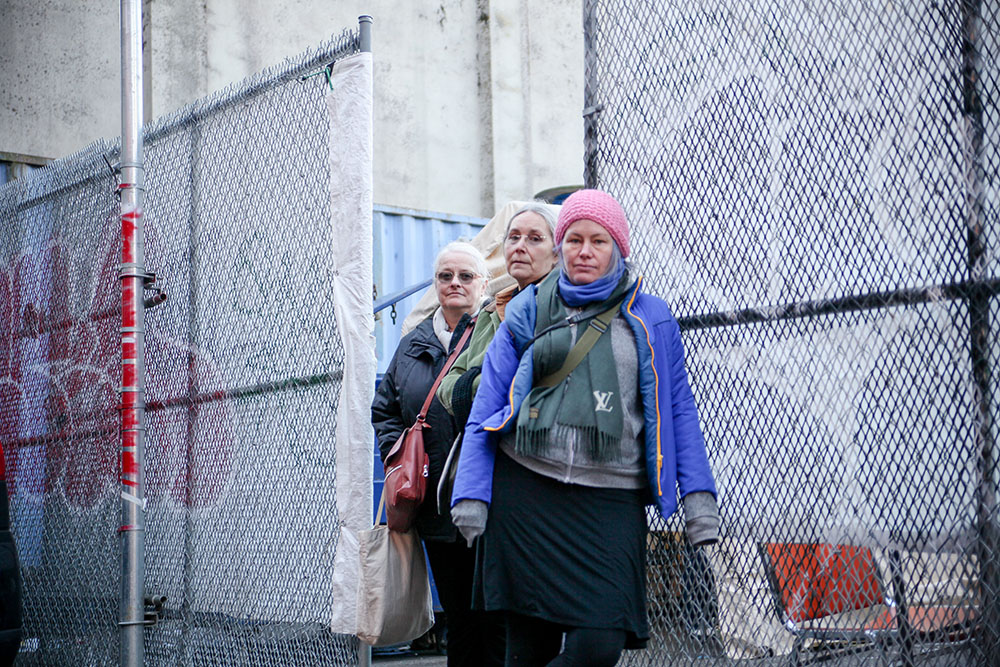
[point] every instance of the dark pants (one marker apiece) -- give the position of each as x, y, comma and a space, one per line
475, 638
532, 642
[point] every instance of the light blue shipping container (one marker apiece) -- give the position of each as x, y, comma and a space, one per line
405, 243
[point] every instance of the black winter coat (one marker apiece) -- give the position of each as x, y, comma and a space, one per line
398, 399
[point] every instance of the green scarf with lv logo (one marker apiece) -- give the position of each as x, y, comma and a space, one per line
587, 402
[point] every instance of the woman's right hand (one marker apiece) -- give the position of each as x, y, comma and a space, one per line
469, 516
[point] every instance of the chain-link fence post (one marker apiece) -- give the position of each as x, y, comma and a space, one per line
365, 46
191, 366
132, 274
591, 108
979, 314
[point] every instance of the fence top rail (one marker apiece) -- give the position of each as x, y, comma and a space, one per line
339, 46
81, 171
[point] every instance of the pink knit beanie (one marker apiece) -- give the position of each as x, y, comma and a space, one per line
597, 206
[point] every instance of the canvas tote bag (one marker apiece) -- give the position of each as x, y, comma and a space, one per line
394, 592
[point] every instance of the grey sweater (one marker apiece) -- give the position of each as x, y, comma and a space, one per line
564, 458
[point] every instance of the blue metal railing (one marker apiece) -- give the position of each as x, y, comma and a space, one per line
393, 299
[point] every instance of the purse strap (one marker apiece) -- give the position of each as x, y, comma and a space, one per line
584, 343
444, 370
381, 504
573, 319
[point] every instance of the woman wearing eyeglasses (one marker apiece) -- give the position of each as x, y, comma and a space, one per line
459, 280
529, 253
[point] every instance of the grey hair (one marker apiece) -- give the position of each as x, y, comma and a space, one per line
616, 255
467, 248
541, 209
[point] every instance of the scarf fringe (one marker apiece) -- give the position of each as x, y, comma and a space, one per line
599, 447
594, 425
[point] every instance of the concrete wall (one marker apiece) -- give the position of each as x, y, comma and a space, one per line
477, 101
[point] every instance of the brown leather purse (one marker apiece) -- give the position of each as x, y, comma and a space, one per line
406, 464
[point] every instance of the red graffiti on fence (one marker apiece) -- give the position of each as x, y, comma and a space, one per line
60, 373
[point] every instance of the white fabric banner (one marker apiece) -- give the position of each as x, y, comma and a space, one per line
350, 109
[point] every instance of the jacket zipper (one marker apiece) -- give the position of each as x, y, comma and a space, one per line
573, 438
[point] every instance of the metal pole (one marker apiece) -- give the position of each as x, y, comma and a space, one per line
365, 46
132, 274
195, 177
979, 327
591, 103
365, 33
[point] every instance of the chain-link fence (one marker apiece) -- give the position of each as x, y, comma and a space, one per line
244, 364
813, 188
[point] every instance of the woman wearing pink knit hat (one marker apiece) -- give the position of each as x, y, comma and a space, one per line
584, 415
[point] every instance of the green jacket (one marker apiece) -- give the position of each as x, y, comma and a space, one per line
486, 326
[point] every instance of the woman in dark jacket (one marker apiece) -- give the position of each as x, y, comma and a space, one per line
474, 638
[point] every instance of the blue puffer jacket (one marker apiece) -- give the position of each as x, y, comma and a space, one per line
675, 447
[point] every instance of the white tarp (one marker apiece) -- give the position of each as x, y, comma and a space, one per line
351, 206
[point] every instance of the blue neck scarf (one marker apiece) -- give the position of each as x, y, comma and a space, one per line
576, 296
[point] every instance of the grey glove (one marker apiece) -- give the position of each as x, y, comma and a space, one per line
702, 514
469, 516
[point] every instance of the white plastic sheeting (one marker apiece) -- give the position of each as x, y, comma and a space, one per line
351, 208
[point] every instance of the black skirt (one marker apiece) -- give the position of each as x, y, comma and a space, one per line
569, 554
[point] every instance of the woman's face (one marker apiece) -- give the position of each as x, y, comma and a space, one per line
528, 249
459, 286
586, 251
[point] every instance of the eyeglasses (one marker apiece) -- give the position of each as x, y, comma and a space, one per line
530, 239
464, 277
